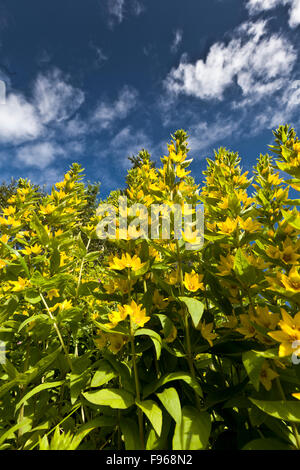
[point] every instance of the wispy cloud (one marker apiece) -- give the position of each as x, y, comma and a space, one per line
256, 6
176, 41
106, 113
54, 98
253, 60
118, 8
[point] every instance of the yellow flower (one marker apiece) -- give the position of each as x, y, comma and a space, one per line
173, 277
47, 210
267, 375
117, 316
181, 173
206, 332
126, 261
228, 226
116, 342
4, 239
226, 265
9, 210
137, 313
52, 293
159, 301
2, 263
101, 340
36, 250
191, 236
292, 281
230, 322
289, 254
249, 224
296, 395
20, 284
265, 318
193, 281
246, 329
290, 332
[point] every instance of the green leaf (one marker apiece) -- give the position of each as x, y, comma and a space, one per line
243, 269
170, 400
9, 433
192, 433
195, 309
284, 410
117, 399
33, 318
36, 390
40, 230
154, 336
186, 377
153, 413
32, 296
100, 422
104, 374
130, 432
292, 218
253, 361
266, 444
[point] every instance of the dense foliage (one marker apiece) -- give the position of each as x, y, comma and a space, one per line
143, 343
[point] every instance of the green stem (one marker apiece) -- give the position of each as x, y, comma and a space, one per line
81, 268
293, 425
135, 371
57, 330
189, 354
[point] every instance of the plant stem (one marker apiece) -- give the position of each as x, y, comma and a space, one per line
57, 330
293, 425
189, 354
136, 377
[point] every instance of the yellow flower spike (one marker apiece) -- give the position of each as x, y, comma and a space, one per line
267, 375
193, 281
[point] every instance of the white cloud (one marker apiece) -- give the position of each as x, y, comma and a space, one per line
176, 41
253, 60
54, 98
106, 113
128, 142
206, 134
39, 155
19, 120
115, 9
256, 6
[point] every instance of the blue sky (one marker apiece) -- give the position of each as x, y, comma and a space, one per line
95, 81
